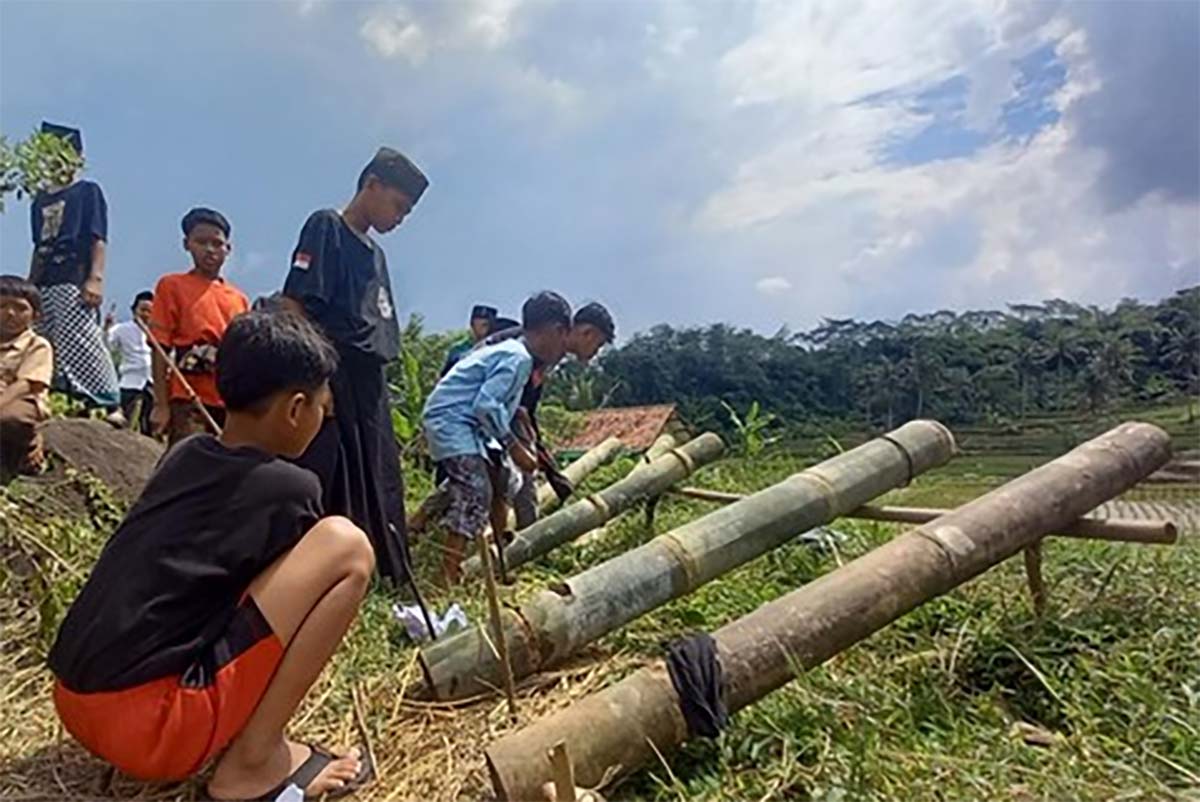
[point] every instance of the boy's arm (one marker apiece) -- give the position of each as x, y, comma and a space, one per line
310, 280
162, 328
93, 286
506, 374
18, 389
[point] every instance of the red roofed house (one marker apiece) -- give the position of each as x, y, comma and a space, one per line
636, 427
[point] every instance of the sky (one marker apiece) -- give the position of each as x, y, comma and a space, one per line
764, 164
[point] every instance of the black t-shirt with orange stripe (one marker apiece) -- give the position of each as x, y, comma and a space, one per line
168, 581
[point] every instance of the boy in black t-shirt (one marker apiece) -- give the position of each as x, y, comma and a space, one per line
224, 592
339, 279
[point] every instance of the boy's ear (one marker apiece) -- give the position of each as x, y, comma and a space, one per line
296, 402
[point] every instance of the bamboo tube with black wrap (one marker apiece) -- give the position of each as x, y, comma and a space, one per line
637, 720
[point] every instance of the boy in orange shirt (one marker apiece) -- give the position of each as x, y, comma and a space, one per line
191, 313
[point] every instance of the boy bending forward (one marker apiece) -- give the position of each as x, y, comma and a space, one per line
468, 419
224, 592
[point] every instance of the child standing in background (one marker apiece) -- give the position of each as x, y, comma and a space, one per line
70, 234
191, 312
128, 342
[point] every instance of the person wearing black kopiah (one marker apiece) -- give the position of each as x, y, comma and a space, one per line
339, 279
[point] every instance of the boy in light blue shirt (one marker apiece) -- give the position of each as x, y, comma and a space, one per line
470, 413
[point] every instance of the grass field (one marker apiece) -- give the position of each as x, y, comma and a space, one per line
969, 697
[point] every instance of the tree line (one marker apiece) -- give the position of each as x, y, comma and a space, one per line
992, 367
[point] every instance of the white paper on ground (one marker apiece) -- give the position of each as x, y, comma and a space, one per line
414, 623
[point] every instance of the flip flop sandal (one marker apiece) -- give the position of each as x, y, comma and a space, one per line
314, 765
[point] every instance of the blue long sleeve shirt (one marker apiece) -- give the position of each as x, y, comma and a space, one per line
475, 402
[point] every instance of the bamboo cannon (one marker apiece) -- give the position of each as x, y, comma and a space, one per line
585, 515
558, 621
1113, 529
578, 470
621, 728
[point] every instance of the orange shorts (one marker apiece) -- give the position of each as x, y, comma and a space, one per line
168, 728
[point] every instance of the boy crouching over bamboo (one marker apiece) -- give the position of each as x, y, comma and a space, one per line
468, 421
224, 592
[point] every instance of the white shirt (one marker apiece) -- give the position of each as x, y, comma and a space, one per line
133, 354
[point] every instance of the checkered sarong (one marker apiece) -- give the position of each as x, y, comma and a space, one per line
83, 366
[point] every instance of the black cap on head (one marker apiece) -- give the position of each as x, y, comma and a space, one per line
73, 135
203, 215
597, 315
500, 324
480, 311
144, 295
395, 170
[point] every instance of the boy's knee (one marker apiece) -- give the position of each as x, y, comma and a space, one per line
350, 545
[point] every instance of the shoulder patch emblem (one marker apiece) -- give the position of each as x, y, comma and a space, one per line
301, 260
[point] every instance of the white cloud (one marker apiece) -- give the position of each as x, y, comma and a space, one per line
395, 33
773, 285
1023, 217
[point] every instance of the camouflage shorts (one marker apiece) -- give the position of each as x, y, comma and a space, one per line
467, 493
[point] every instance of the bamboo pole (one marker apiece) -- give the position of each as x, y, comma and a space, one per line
1122, 531
583, 516
173, 368
621, 728
557, 622
1118, 530
579, 470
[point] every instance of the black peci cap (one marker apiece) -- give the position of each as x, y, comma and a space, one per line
394, 169
72, 135
485, 312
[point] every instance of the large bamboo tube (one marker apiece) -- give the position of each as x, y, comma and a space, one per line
557, 622
579, 470
660, 446
627, 724
583, 516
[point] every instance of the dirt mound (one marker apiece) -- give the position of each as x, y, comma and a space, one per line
122, 460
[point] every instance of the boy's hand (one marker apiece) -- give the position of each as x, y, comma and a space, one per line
111, 317
160, 416
91, 292
524, 458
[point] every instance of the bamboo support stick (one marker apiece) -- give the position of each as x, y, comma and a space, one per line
616, 730
187, 388
1114, 529
499, 638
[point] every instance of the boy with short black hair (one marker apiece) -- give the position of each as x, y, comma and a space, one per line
190, 315
134, 364
469, 416
224, 592
26, 369
339, 279
481, 324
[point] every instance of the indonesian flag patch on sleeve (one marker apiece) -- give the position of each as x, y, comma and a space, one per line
301, 260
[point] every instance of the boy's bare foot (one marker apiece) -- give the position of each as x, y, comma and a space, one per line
235, 780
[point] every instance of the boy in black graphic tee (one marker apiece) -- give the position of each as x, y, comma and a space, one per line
339, 279
224, 592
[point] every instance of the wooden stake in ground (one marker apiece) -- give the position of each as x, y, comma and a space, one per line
1033, 574
499, 639
187, 388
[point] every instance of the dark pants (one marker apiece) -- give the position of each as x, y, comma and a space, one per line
356, 458
20, 443
130, 403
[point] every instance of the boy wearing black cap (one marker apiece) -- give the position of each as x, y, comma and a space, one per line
482, 324
191, 312
339, 279
70, 232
